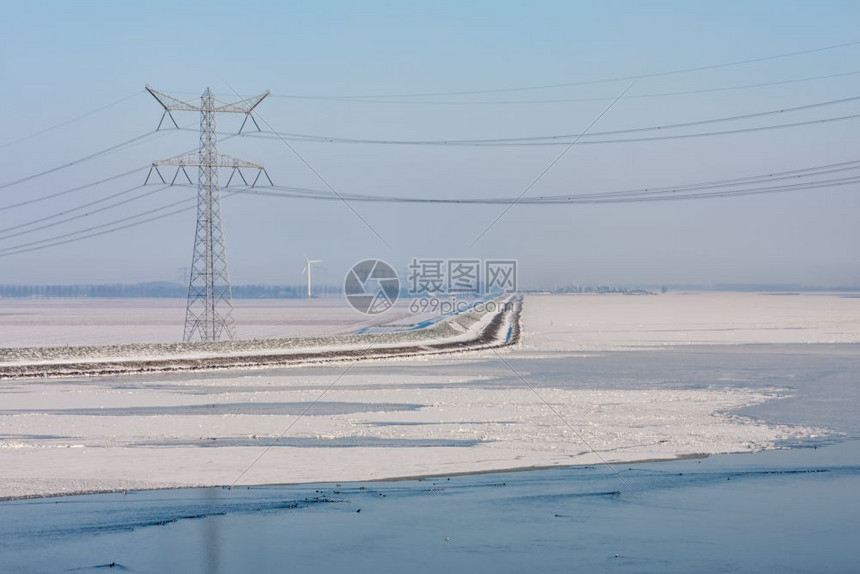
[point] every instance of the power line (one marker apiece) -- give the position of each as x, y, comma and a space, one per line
549, 167
79, 216
74, 119
703, 122
718, 188
79, 160
705, 134
555, 140
62, 239
73, 189
732, 193
563, 139
721, 183
645, 195
629, 78
303, 192
690, 188
91, 184
574, 199
315, 172
71, 209
584, 99
100, 226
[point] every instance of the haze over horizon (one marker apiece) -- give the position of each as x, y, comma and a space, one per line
364, 72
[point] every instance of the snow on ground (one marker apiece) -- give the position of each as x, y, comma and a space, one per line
55, 322
470, 327
407, 417
453, 429
604, 322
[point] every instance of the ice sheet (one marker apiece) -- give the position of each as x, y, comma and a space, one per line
412, 417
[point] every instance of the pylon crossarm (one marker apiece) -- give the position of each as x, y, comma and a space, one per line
243, 106
181, 169
188, 177
229, 179
146, 181
180, 160
166, 113
259, 173
221, 160
235, 171
249, 115
152, 168
170, 103
230, 161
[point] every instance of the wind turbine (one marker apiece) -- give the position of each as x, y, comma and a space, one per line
307, 269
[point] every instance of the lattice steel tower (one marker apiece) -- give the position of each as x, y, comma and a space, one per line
209, 311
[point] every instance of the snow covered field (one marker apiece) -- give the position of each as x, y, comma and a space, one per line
53, 322
493, 324
603, 322
432, 415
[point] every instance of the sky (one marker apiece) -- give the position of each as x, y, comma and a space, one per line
62, 60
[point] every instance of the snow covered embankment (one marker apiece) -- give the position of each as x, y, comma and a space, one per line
495, 324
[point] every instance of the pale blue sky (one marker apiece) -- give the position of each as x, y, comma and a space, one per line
60, 59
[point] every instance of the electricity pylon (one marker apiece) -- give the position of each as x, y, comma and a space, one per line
209, 311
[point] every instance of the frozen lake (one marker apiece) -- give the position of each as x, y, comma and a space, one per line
637, 378
779, 511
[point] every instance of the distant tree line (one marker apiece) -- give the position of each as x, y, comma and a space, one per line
162, 290
599, 289
283, 291
166, 289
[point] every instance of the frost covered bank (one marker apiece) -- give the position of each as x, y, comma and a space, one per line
488, 325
